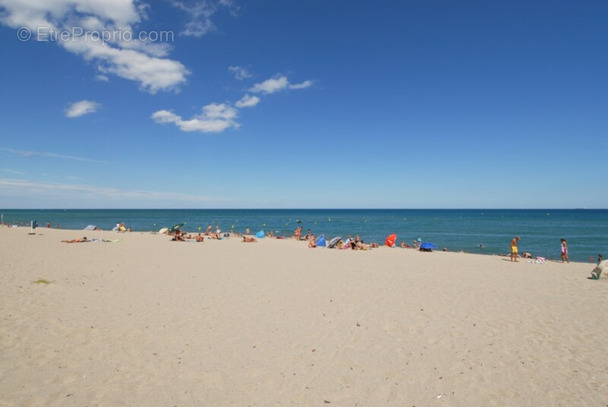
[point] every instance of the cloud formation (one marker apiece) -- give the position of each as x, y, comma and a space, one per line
81, 108
214, 118
276, 84
101, 31
200, 13
247, 101
239, 72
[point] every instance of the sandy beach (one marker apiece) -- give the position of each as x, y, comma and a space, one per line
149, 322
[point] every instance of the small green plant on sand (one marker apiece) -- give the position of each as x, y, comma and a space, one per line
42, 281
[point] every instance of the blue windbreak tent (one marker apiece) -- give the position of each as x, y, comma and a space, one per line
261, 234
321, 241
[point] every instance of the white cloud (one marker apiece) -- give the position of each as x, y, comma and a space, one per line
100, 31
270, 85
152, 73
102, 78
214, 118
247, 101
302, 85
81, 108
200, 13
239, 72
165, 116
276, 84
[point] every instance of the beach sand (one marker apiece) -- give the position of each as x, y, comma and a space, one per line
150, 322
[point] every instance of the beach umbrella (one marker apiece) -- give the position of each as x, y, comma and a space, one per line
390, 240
176, 227
427, 247
261, 234
333, 242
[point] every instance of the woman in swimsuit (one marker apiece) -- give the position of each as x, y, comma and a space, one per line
564, 250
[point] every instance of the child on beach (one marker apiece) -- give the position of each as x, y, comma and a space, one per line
564, 251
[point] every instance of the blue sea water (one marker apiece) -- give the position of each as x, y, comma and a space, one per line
470, 230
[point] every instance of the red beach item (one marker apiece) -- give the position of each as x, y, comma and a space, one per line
390, 240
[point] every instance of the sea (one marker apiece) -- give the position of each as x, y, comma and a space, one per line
482, 231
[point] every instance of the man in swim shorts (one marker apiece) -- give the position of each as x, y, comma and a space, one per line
514, 250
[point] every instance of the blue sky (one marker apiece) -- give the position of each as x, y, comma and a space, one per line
308, 104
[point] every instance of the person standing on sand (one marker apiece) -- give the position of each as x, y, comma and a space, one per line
564, 251
514, 250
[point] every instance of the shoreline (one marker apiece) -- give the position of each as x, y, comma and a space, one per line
147, 321
115, 234
473, 231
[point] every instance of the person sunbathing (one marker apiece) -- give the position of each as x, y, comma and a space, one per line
249, 239
83, 240
311, 242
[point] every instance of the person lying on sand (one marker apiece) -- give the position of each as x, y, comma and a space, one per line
311, 242
179, 236
248, 239
83, 240
360, 246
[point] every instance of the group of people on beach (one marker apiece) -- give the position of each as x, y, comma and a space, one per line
312, 242
349, 243
563, 252
180, 236
514, 254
